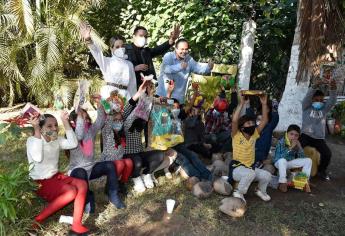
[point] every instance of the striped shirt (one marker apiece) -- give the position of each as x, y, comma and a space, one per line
244, 149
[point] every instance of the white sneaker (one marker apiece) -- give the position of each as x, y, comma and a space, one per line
148, 181
139, 186
238, 195
264, 196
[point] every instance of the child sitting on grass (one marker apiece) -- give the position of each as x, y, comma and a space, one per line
289, 154
244, 135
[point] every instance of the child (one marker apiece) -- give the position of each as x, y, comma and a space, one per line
114, 143
244, 135
289, 154
59, 190
82, 163
314, 115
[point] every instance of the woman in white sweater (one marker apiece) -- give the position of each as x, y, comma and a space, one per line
59, 190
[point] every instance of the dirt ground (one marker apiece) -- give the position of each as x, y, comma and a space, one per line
295, 213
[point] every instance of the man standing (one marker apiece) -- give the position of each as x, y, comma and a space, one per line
177, 66
141, 56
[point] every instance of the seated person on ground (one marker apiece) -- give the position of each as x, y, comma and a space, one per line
289, 154
244, 135
43, 150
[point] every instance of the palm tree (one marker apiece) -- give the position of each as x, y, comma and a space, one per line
35, 39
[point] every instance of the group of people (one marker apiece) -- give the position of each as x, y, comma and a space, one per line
123, 155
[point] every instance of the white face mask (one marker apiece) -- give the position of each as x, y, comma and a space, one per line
120, 53
140, 41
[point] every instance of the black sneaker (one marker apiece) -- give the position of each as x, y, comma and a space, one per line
324, 175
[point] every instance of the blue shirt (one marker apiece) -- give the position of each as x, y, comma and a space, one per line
283, 151
171, 70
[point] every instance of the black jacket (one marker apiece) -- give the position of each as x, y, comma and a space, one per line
144, 56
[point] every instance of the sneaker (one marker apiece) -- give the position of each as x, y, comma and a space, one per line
139, 186
168, 175
263, 195
148, 181
324, 175
238, 195
283, 187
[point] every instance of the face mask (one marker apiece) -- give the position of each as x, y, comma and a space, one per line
249, 130
120, 53
175, 113
117, 126
53, 135
317, 105
140, 41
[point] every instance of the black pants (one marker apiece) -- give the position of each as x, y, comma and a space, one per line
200, 149
321, 146
100, 169
146, 162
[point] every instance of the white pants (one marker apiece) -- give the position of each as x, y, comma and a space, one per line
283, 165
245, 176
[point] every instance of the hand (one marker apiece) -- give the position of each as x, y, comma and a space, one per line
141, 90
207, 145
85, 31
65, 116
34, 121
210, 64
175, 34
171, 86
141, 67
263, 99
184, 65
243, 99
333, 84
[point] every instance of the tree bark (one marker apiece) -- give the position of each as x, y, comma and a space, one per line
290, 107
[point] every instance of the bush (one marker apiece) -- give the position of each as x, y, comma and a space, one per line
16, 195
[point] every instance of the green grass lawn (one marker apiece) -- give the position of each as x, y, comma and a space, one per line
294, 213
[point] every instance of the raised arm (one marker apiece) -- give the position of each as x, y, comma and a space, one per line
264, 121
332, 96
96, 51
70, 141
34, 144
99, 123
236, 116
163, 48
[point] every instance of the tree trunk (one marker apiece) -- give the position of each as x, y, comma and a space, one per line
290, 107
246, 56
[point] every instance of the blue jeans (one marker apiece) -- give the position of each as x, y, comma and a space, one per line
191, 163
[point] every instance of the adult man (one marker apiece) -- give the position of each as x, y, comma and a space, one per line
315, 111
177, 66
141, 56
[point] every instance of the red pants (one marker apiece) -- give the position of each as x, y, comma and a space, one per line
59, 191
124, 168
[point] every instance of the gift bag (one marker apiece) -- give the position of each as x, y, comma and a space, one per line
164, 129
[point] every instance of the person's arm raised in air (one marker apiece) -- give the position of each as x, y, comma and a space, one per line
34, 144
163, 48
308, 99
170, 88
236, 116
332, 96
96, 51
264, 121
70, 141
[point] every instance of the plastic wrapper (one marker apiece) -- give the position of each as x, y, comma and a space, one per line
143, 108
164, 128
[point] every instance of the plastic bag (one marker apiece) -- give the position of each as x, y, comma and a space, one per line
164, 129
81, 96
143, 108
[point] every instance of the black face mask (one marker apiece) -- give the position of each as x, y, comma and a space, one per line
249, 130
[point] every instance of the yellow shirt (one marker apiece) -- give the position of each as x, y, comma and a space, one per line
244, 149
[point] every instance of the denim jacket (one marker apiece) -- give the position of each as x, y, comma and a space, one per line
283, 151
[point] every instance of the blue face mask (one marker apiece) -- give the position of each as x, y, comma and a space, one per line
117, 126
317, 105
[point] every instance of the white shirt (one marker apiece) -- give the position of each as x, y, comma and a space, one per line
115, 70
43, 156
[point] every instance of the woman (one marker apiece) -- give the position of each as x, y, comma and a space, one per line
82, 163
59, 190
118, 73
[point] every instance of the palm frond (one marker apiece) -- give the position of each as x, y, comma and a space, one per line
22, 10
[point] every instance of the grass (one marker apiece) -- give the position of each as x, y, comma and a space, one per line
294, 213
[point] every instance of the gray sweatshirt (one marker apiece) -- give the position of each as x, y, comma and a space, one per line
83, 155
314, 121
111, 151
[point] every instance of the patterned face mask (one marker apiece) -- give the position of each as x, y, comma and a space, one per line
117, 126
53, 135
